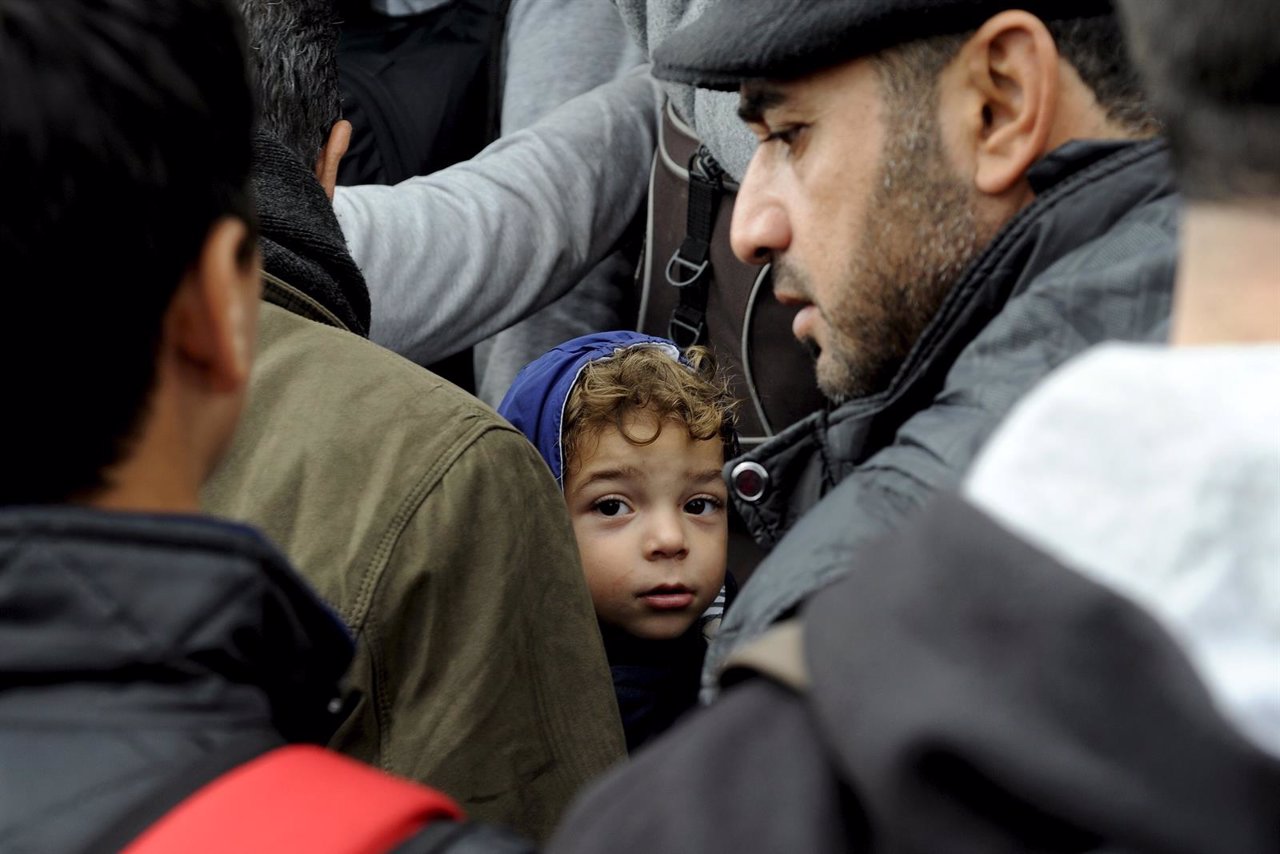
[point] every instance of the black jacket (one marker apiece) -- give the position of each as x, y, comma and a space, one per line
134, 647
655, 681
957, 692
1091, 259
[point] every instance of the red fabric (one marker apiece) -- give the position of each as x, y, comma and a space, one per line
297, 798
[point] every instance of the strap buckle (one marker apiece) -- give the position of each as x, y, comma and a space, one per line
682, 272
705, 167
686, 327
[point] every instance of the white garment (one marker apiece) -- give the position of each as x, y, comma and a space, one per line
1156, 471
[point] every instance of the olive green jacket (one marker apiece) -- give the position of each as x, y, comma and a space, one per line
439, 535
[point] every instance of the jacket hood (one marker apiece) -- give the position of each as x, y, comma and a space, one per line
714, 114
535, 402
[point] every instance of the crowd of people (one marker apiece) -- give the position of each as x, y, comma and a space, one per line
268, 583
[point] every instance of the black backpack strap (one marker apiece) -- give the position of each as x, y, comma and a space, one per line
175, 789
689, 268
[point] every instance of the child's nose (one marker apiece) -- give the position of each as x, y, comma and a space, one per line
665, 537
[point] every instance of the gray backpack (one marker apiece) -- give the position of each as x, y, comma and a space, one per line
694, 291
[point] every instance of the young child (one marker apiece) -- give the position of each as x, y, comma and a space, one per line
636, 435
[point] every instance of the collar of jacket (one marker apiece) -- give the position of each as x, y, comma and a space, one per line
302, 243
280, 293
180, 615
1082, 189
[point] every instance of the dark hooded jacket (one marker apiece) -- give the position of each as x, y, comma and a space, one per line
958, 692
133, 647
1091, 259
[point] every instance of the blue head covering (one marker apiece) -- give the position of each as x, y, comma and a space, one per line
535, 403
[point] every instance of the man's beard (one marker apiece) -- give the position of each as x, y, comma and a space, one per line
920, 233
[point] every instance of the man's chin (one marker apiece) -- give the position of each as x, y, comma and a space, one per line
831, 383
835, 396
839, 381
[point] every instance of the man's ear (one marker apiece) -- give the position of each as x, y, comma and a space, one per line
335, 148
1010, 73
213, 319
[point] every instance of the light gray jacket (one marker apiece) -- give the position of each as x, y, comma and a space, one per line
555, 50
453, 257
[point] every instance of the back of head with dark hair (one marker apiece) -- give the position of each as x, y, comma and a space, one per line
1094, 47
124, 136
293, 48
1214, 74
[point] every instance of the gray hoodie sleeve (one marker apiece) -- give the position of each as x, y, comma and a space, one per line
556, 50
453, 257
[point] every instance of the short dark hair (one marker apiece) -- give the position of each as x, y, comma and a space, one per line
1094, 46
124, 136
1214, 74
293, 49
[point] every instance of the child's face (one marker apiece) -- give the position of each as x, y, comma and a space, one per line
651, 525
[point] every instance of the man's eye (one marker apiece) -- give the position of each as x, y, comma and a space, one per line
786, 135
702, 506
609, 506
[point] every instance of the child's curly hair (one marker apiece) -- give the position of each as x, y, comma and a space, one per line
647, 379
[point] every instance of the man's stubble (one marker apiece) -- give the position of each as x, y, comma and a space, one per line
920, 233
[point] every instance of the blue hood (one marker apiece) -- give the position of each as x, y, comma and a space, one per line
535, 402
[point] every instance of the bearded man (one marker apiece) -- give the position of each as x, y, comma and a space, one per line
963, 690
960, 195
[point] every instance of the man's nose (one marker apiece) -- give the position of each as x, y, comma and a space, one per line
665, 536
760, 227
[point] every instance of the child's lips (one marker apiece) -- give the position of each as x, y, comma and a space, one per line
673, 597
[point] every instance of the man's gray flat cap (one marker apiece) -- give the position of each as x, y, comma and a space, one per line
737, 40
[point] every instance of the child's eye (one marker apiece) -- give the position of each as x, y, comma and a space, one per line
610, 506
703, 505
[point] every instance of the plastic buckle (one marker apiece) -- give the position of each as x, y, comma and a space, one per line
704, 166
683, 332
695, 268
